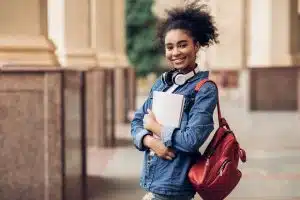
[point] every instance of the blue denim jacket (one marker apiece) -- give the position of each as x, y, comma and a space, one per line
167, 177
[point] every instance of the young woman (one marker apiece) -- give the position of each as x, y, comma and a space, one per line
169, 152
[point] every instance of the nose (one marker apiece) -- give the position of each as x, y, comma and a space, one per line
175, 52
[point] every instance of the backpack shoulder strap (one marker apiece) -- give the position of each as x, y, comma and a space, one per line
222, 121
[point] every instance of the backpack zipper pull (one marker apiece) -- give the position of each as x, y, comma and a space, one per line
223, 167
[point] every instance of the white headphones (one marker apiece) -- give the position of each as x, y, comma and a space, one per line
178, 78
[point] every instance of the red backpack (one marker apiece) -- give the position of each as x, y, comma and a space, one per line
215, 174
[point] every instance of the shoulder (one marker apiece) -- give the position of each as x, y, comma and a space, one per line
157, 83
208, 86
208, 89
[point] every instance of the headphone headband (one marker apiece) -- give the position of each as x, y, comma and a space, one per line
178, 78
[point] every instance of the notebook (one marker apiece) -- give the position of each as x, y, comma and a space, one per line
168, 108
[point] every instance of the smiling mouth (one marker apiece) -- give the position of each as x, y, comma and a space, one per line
178, 61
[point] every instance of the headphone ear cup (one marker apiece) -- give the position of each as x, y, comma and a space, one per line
167, 77
179, 79
174, 75
163, 77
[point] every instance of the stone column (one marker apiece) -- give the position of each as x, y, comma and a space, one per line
298, 14
30, 134
103, 32
70, 29
271, 32
108, 39
120, 32
297, 58
121, 60
103, 44
272, 53
226, 60
23, 36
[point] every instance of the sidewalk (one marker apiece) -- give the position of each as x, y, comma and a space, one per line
272, 172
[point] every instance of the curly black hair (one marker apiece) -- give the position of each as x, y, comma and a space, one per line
195, 19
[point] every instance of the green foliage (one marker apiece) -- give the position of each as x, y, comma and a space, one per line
141, 44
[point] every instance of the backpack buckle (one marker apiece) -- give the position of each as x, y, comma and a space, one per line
223, 123
242, 154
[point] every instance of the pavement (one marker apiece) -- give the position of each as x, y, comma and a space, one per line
272, 170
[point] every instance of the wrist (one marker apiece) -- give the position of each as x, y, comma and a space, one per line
148, 140
157, 129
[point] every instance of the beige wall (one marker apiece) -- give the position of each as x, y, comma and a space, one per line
229, 54
160, 6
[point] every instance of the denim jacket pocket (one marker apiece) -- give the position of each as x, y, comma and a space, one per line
176, 174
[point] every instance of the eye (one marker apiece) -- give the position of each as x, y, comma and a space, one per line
169, 48
182, 45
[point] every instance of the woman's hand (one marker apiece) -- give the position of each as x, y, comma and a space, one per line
159, 148
151, 124
162, 151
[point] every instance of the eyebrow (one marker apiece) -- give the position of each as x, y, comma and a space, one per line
181, 41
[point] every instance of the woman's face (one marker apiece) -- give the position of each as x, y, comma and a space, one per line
180, 50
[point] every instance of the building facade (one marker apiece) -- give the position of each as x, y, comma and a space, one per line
259, 52
45, 128
66, 33
258, 38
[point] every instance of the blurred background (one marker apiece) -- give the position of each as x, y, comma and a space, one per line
72, 72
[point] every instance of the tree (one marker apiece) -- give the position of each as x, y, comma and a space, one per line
141, 44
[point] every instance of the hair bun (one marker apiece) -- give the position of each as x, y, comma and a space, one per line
193, 17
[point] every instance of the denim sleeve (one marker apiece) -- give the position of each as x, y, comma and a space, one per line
137, 125
199, 125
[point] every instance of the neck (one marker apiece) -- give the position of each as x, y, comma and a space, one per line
188, 68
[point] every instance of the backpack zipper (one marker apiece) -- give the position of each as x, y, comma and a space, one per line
223, 167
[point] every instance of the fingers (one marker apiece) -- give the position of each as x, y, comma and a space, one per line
150, 112
171, 154
145, 118
168, 158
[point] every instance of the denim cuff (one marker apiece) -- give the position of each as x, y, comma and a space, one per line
167, 135
139, 139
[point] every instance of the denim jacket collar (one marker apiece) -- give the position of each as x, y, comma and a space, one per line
199, 76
